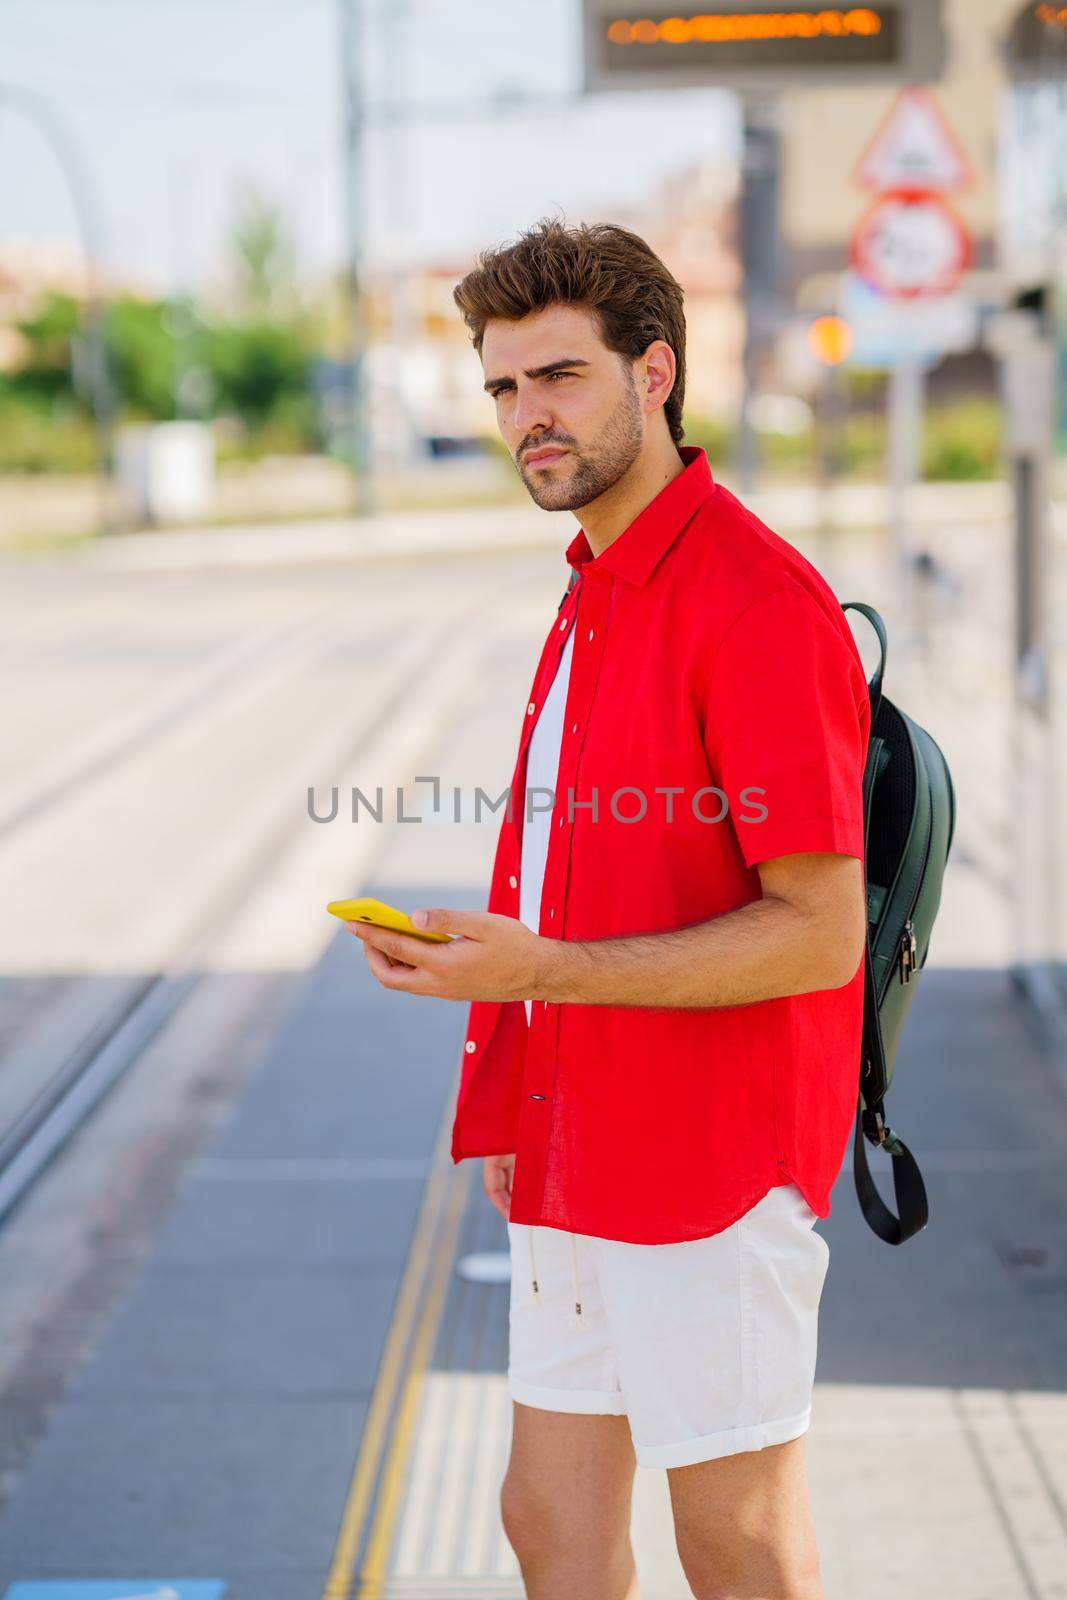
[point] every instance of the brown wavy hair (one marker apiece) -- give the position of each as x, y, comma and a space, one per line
605, 268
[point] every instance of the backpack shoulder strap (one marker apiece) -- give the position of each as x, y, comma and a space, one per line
908, 1186
875, 620
909, 1190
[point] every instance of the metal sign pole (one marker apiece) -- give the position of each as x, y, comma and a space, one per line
1028, 340
1029, 385
905, 408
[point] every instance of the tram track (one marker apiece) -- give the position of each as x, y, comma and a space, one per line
441, 662
127, 735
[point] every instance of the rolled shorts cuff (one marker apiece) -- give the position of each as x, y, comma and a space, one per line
590, 1402
731, 1441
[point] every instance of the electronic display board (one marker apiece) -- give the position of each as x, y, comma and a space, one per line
753, 46
1037, 42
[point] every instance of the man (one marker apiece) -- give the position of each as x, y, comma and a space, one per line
661, 1059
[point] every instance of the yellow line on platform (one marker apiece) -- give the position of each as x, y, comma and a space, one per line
404, 1358
375, 1568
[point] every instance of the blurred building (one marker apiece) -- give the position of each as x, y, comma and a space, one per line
691, 222
31, 268
429, 374
424, 379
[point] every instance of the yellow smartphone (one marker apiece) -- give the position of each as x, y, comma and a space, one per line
382, 916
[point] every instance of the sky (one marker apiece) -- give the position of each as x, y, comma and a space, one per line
176, 103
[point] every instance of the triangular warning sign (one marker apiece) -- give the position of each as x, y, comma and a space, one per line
914, 148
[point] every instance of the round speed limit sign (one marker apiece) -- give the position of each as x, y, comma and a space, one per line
910, 244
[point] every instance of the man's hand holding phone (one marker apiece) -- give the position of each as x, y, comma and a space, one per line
476, 955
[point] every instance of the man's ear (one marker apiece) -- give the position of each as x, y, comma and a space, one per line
660, 371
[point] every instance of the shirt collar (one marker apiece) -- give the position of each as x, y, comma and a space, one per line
634, 552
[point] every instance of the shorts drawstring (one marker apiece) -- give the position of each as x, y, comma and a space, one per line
574, 1280
533, 1268
574, 1276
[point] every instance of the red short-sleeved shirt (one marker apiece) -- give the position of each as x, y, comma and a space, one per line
711, 659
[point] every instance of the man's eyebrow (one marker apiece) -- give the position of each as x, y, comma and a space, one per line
538, 372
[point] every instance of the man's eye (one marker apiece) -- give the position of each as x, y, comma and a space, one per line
509, 387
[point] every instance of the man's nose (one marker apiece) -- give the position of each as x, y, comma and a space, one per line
531, 415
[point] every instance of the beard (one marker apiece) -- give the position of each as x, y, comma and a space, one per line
592, 472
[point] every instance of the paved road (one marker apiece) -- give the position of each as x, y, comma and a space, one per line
235, 1344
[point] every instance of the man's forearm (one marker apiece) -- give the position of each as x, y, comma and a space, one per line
761, 951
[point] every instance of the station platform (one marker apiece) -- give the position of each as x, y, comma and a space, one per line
300, 1397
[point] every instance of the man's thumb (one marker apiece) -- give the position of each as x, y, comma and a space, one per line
437, 920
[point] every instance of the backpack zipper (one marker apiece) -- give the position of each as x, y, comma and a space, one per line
907, 959
907, 952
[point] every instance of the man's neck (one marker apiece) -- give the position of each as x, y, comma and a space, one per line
611, 513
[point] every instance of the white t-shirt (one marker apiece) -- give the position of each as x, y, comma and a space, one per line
542, 770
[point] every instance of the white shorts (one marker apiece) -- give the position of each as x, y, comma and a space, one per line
708, 1345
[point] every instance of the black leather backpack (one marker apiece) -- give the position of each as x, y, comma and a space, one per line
909, 809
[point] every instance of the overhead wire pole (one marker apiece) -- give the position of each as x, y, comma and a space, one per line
67, 150
351, 20
400, 114
399, 201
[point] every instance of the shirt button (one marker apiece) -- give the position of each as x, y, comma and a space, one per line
530, 709
561, 822
513, 881
590, 633
552, 911
574, 727
469, 1046
562, 625
537, 1097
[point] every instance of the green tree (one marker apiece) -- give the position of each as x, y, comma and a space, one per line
263, 256
256, 366
44, 374
141, 351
